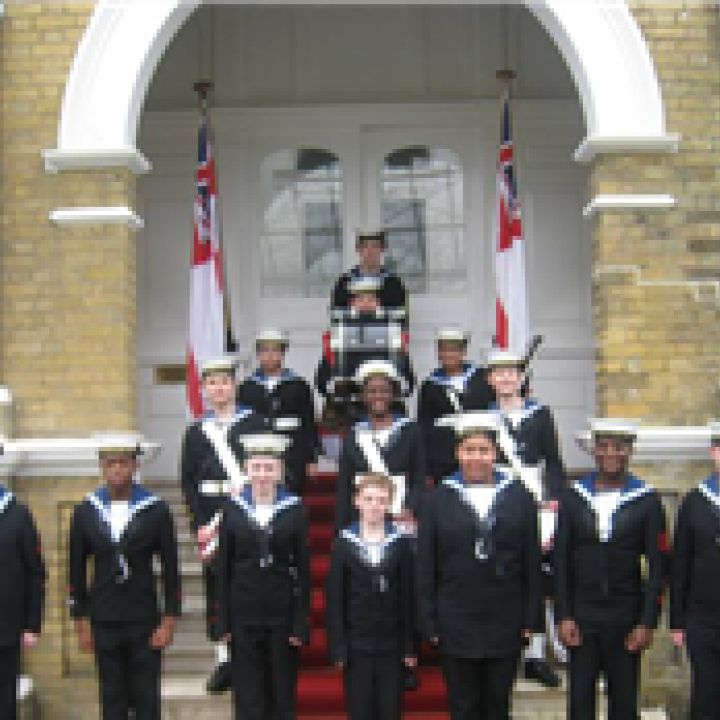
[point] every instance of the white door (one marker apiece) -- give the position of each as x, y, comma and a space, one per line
295, 184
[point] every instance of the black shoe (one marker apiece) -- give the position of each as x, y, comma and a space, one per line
220, 681
540, 671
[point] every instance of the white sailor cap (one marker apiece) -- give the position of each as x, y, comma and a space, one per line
272, 335
265, 443
376, 367
119, 443
476, 422
221, 364
362, 234
452, 333
714, 431
613, 427
501, 357
364, 284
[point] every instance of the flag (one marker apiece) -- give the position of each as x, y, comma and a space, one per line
206, 320
511, 314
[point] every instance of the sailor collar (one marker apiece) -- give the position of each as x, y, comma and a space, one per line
352, 535
140, 498
710, 488
283, 500
241, 412
440, 377
356, 272
503, 480
261, 378
530, 407
6, 498
399, 421
633, 489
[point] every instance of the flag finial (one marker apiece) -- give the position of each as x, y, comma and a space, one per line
505, 76
202, 88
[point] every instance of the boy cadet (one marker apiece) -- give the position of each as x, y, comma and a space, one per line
286, 401
370, 608
210, 466
529, 441
22, 594
456, 386
264, 584
608, 522
123, 527
362, 333
695, 587
370, 246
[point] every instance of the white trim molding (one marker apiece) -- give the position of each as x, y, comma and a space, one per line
598, 145
130, 158
600, 42
663, 443
628, 202
57, 457
97, 215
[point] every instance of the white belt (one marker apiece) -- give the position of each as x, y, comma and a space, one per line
287, 423
215, 487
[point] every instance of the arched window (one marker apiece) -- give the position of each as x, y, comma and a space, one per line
422, 213
301, 237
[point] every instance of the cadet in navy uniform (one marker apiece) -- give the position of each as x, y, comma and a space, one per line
370, 246
383, 442
264, 584
22, 594
123, 528
608, 522
529, 442
366, 332
479, 573
456, 386
286, 401
695, 587
370, 606
211, 464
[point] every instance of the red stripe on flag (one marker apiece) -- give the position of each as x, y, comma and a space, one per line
202, 252
501, 325
505, 236
192, 385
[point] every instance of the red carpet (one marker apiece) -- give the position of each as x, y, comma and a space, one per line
320, 689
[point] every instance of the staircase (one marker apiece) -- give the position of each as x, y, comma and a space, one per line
320, 692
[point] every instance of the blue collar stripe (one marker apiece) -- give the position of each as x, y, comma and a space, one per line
6, 498
711, 490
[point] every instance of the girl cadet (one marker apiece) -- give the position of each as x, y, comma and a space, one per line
385, 443
695, 587
210, 464
264, 584
479, 573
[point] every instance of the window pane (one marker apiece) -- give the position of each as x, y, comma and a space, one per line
422, 213
301, 240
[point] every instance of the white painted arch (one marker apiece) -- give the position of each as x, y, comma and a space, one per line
125, 39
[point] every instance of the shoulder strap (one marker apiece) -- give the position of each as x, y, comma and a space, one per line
225, 455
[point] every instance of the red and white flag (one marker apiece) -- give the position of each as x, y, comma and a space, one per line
512, 328
206, 320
